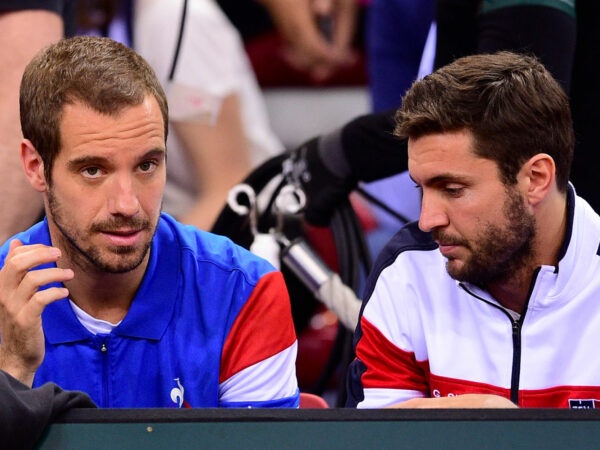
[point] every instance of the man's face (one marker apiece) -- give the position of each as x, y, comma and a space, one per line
105, 196
483, 227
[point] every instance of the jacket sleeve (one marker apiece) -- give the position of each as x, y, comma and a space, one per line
389, 336
258, 363
25, 412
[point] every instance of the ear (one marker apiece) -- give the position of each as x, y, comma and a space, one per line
33, 166
540, 174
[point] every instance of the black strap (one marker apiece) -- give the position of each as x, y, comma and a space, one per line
179, 38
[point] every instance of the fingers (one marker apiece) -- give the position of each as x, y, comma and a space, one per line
33, 309
22, 304
24, 257
20, 281
28, 289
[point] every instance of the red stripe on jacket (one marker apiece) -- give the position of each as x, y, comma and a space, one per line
263, 328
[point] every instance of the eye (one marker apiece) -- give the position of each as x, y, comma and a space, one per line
91, 172
148, 166
453, 190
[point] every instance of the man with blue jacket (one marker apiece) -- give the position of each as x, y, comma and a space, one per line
107, 295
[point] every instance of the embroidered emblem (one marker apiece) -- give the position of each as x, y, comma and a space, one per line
177, 394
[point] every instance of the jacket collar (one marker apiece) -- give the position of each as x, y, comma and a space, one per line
152, 307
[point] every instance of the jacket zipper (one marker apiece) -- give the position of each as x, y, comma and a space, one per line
516, 326
105, 372
516, 364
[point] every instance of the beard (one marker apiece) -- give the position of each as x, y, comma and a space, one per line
77, 243
498, 254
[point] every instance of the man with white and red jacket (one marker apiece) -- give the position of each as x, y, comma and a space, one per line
490, 299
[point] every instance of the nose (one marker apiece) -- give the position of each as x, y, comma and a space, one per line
122, 197
432, 214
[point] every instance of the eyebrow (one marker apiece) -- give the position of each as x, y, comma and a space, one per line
90, 160
442, 178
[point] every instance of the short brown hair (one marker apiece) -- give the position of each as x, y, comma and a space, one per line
510, 102
97, 71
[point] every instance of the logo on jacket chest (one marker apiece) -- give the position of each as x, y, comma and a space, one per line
177, 395
576, 403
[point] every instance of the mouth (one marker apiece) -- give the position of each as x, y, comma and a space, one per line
448, 249
122, 231
123, 237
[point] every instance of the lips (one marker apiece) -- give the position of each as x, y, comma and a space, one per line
447, 249
123, 237
446, 242
121, 232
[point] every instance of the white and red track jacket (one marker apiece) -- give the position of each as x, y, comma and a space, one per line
423, 334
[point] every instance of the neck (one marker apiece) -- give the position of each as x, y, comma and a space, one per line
106, 297
103, 295
513, 293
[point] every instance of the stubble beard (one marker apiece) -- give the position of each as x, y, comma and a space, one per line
90, 257
501, 254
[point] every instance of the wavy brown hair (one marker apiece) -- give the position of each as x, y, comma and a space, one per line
510, 102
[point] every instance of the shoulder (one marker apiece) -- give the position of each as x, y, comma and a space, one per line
209, 250
582, 236
409, 238
410, 241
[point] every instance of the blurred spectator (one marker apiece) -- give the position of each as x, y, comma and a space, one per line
219, 124
301, 42
396, 34
546, 29
26, 27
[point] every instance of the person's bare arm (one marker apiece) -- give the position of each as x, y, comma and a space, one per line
221, 158
23, 34
22, 304
460, 401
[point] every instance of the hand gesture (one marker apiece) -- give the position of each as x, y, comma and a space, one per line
22, 303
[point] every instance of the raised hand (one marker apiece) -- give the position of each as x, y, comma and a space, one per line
22, 303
